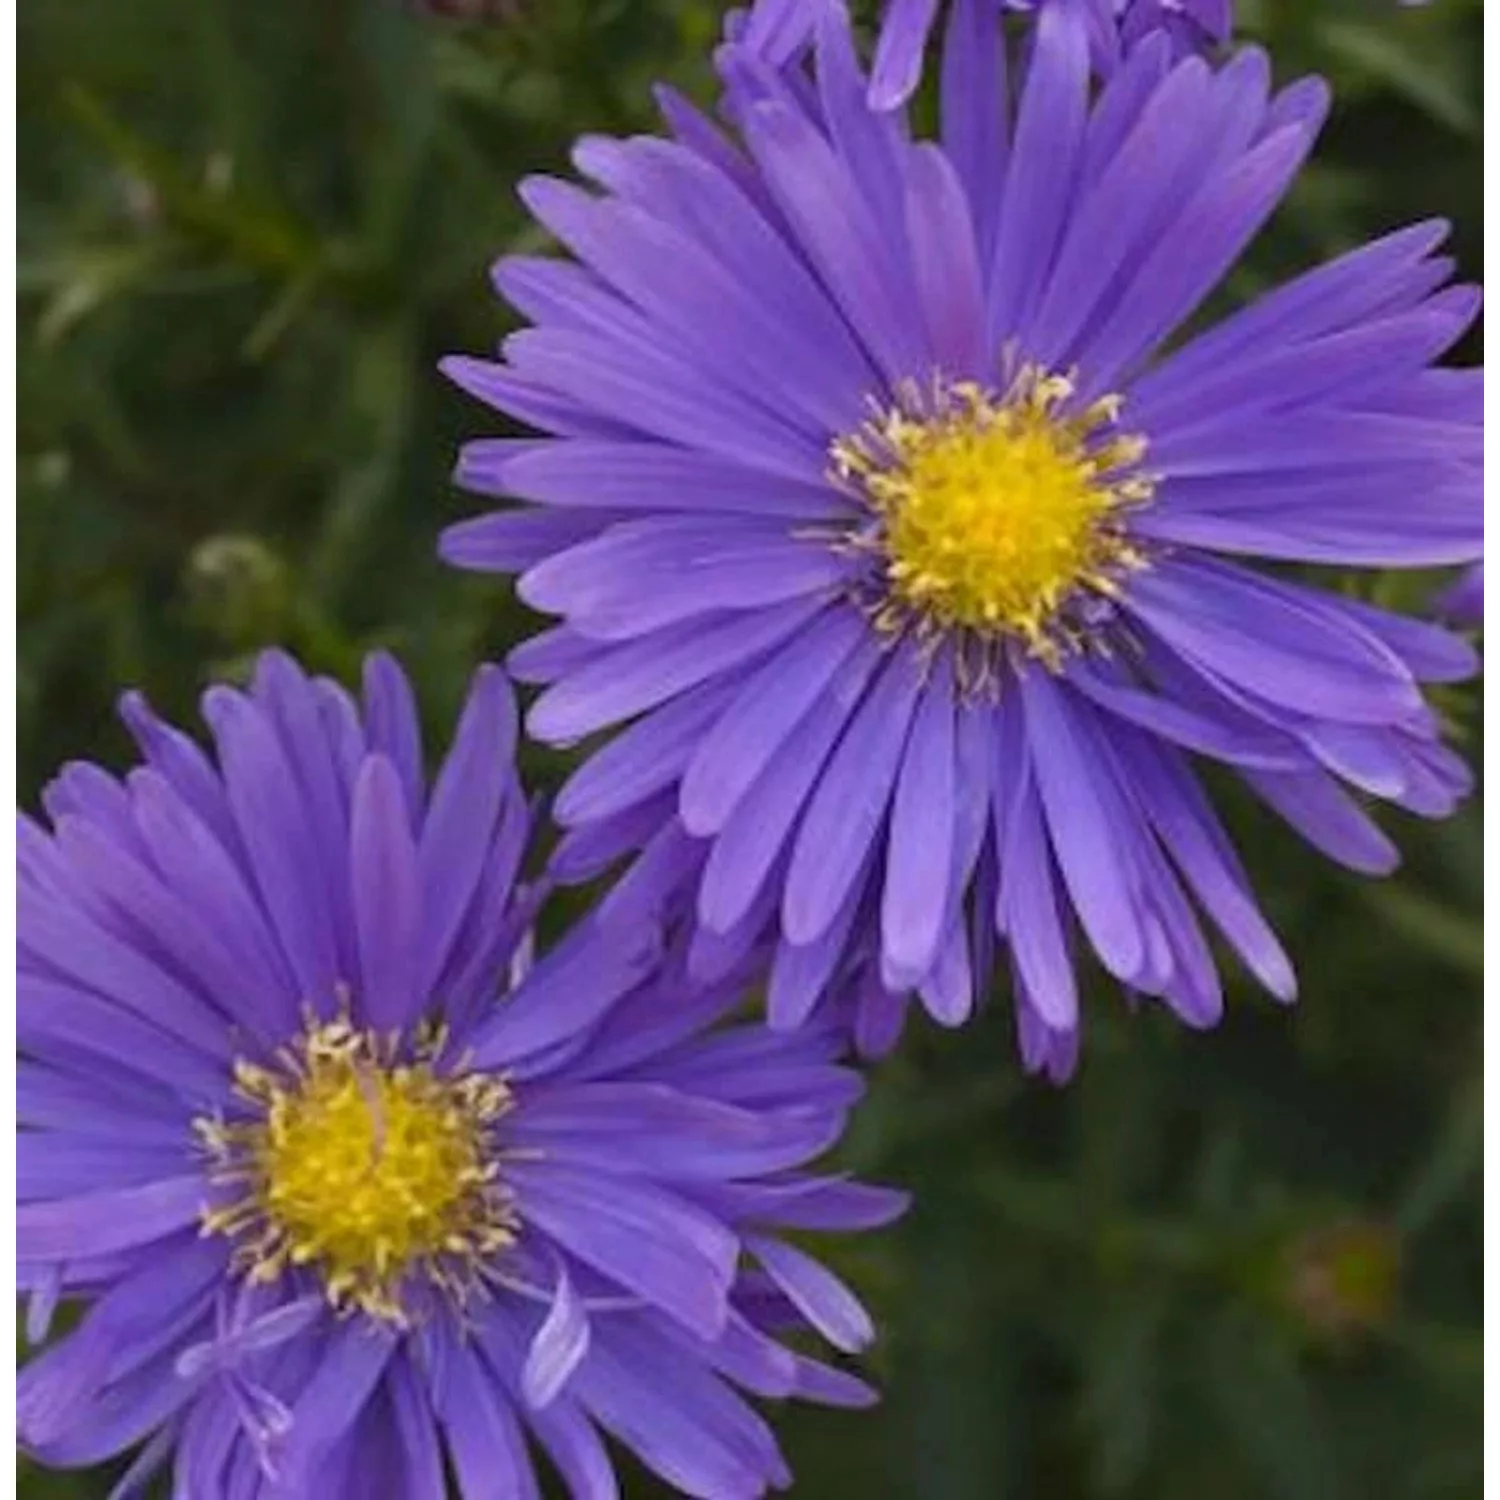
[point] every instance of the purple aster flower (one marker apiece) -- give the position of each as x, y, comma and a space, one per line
349, 1181
1463, 602
904, 547
1191, 25
780, 30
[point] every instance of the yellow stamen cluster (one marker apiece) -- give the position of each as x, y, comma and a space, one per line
367, 1169
994, 512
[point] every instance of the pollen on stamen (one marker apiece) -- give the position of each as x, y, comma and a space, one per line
993, 514
374, 1171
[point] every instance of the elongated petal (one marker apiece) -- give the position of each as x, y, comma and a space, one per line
561, 1341
387, 897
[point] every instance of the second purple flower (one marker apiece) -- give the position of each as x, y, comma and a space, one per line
903, 546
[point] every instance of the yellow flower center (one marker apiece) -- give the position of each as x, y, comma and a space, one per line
993, 513
369, 1170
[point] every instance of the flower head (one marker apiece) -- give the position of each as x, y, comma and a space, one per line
779, 31
349, 1179
881, 506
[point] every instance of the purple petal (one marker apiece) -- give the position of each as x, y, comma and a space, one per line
644, 759
923, 828
850, 802
1030, 914
677, 1417
571, 1440
53, 1016
637, 676
1042, 169
570, 987
1080, 826
659, 393
293, 707
387, 898
1240, 742
560, 1343
484, 1440
529, 400
819, 1203
975, 113
186, 851
667, 570
173, 926
1276, 640
1337, 294
461, 818
510, 541
1318, 808
1190, 831
551, 654
75, 949
393, 728
766, 710
898, 58
1194, 253
1431, 654
818, 1294
1114, 217
182, 764
947, 990
642, 1237
351, 1363
801, 973
415, 1432
276, 834
52, 1164
945, 263
837, 231
99, 1103
643, 476
105, 1222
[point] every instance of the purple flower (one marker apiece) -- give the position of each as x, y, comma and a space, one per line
1463, 602
1192, 25
352, 1183
878, 506
779, 31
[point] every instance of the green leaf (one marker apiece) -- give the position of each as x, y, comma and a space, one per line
1122, 1386
1396, 61
1446, 935
1268, 1411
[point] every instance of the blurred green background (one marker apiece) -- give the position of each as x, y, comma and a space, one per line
1239, 1265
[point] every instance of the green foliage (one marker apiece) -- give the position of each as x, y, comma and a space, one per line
1241, 1265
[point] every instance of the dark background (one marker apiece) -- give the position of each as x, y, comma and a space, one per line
1239, 1265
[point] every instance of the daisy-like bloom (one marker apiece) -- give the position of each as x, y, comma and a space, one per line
353, 1187
1463, 602
880, 506
779, 31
